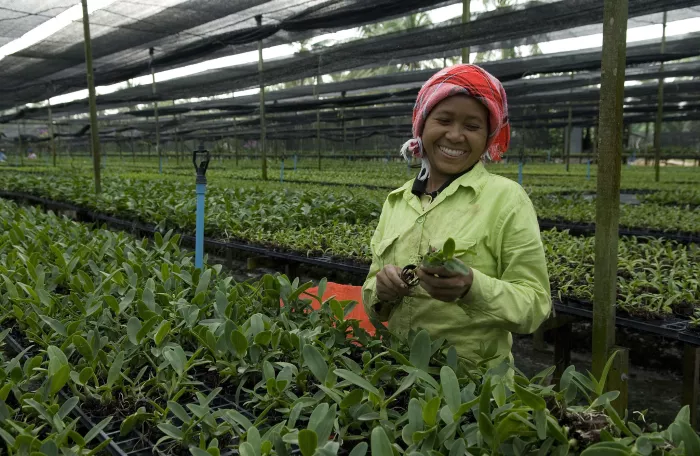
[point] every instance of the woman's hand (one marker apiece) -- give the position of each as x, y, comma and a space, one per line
390, 286
448, 286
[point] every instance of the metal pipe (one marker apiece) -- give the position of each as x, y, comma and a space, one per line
258, 19
612, 87
94, 132
659, 110
155, 109
53, 143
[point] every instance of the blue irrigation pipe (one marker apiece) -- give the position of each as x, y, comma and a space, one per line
295, 162
549, 155
200, 159
588, 170
199, 235
520, 173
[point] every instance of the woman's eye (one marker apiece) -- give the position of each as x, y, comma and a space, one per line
473, 127
443, 121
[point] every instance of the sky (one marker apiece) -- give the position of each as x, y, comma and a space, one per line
437, 15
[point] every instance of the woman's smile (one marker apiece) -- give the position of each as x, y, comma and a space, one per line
451, 152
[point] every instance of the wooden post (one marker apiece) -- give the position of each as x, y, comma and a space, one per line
538, 342
342, 117
258, 19
618, 379
466, 16
567, 146
318, 113
659, 110
612, 87
691, 379
94, 132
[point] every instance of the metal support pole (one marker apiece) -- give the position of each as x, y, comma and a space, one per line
466, 16
258, 19
659, 110
94, 132
691, 380
568, 134
53, 143
155, 110
612, 87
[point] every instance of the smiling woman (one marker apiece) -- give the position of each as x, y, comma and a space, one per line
459, 119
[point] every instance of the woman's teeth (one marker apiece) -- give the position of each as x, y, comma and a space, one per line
451, 152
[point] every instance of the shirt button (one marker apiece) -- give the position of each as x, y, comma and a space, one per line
420, 219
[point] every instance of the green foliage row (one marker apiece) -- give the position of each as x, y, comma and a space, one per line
134, 331
315, 222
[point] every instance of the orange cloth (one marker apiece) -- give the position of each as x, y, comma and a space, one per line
342, 293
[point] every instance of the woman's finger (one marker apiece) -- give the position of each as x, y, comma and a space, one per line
440, 271
394, 274
440, 282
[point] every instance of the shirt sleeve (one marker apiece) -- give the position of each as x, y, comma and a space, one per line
371, 303
520, 300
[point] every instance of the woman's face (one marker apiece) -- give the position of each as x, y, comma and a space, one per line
455, 135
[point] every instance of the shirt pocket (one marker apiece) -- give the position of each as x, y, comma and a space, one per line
386, 250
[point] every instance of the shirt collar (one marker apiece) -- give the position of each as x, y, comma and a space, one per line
474, 178
419, 186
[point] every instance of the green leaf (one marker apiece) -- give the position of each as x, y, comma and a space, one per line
607, 449
541, 424
239, 343
430, 411
420, 350
308, 441
179, 411
203, 284
450, 388
356, 380
67, 407
176, 357
529, 398
246, 449
83, 347
55, 325
360, 449
448, 250
127, 300
381, 446
315, 362
352, 398
604, 398
57, 359
115, 369
94, 432
600, 387
161, 332
133, 326
85, 375
688, 436
59, 379
171, 430
149, 299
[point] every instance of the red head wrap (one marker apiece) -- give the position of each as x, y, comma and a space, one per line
468, 80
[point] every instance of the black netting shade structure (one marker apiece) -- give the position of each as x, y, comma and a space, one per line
510, 71
181, 32
19, 17
22, 83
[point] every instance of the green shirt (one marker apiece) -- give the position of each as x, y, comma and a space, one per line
494, 217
